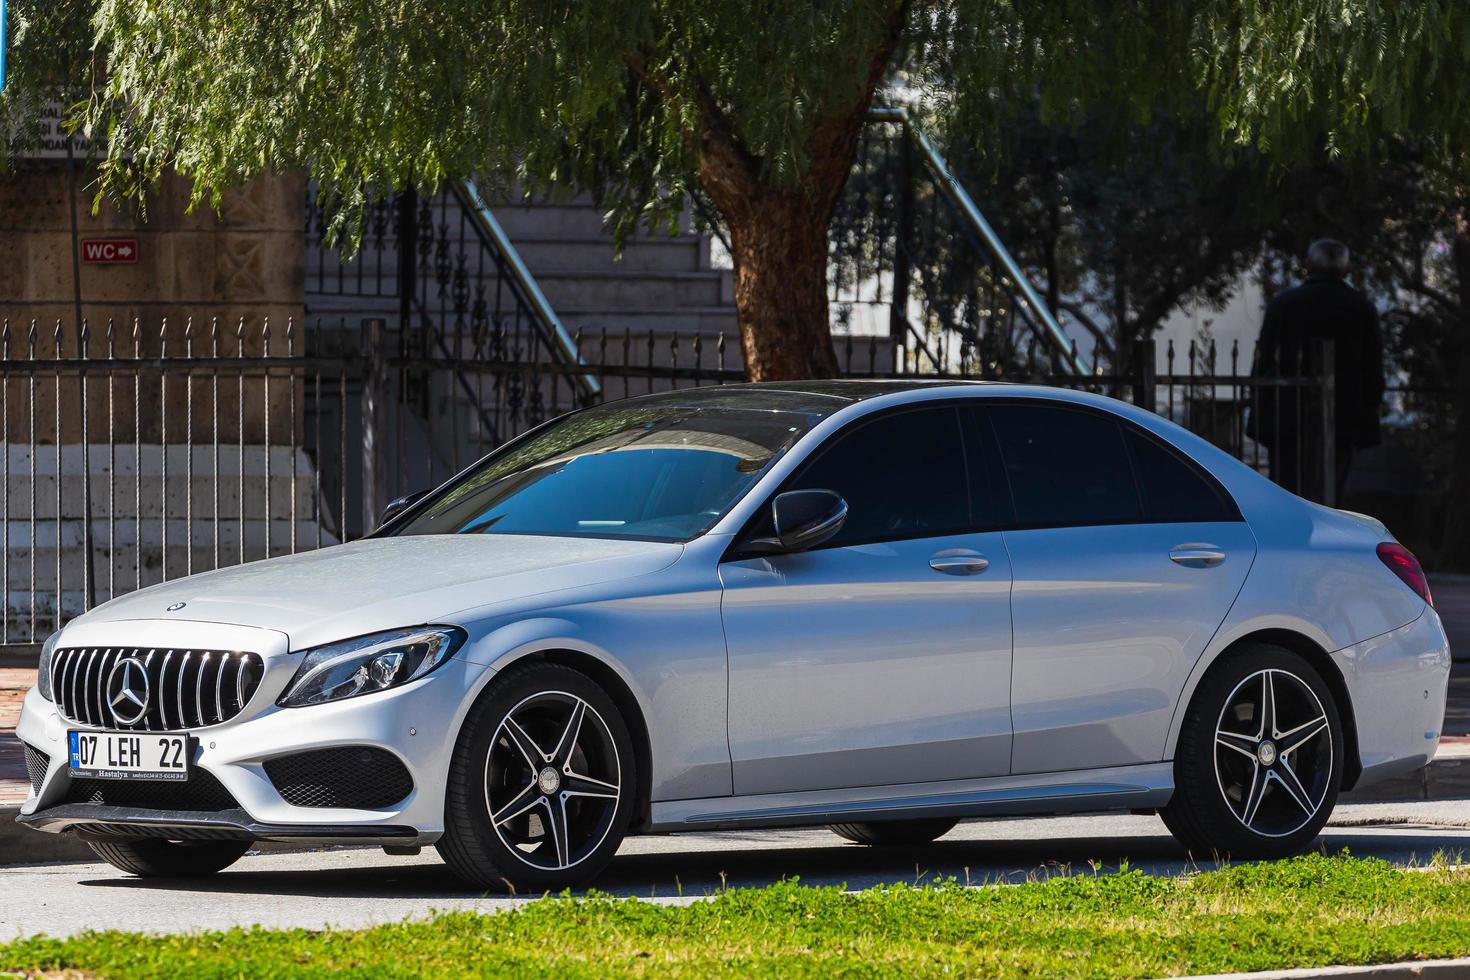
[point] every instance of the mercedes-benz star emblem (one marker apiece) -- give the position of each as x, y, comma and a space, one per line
176, 607
127, 691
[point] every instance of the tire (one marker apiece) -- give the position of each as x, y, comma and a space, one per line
1241, 792
149, 857
895, 832
560, 819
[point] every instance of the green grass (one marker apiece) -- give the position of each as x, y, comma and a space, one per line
1309, 911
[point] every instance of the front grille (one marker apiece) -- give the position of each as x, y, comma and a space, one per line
200, 793
185, 688
36, 765
356, 778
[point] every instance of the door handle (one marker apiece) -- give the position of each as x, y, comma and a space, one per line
959, 564
1197, 555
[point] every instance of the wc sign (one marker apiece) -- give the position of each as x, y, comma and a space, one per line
109, 251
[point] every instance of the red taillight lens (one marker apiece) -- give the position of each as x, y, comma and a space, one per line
1401, 562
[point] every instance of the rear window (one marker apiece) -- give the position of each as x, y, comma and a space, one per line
1066, 468
1174, 490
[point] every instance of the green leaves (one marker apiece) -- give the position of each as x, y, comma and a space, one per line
376, 93
622, 96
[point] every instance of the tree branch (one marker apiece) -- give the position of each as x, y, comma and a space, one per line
833, 141
728, 170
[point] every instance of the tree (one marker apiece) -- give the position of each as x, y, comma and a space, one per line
760, 105
53, 61
1124, 220
1366, 74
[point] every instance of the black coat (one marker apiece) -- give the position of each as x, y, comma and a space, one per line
1321, 308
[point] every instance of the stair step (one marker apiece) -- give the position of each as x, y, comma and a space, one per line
682, 253
707, 320
545, 219
118, 490
613, 291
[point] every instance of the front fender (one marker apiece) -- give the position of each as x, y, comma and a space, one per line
667, 651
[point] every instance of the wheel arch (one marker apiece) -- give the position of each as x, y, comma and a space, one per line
1314, 653
617, 688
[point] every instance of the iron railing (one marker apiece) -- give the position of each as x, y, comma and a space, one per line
441, 268
914, 258
155, 449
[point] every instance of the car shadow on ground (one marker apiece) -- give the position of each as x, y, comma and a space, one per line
694, 872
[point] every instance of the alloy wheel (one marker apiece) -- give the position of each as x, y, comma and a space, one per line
1273, 753
552, 780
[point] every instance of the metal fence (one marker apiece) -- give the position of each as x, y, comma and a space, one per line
146, 451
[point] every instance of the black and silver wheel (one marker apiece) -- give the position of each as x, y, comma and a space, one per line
541, 787
149, 857
895, 832
1260, 758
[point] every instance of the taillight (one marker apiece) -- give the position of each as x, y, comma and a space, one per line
1401, 562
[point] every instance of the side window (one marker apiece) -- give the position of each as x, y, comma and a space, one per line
1065, 467
902, 475
1174, 490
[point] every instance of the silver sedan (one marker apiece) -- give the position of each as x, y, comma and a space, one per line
878, 606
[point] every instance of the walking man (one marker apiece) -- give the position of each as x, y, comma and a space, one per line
1288, 420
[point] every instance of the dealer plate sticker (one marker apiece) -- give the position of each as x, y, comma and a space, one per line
128, 755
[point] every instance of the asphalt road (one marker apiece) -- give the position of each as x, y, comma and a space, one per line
358, 887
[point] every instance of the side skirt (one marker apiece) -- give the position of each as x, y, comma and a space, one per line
1123, 787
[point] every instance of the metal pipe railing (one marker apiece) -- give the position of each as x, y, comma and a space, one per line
496, 238
1051, 330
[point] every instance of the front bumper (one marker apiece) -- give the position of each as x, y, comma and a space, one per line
418, 724
233, 824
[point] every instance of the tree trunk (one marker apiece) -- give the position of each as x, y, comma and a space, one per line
1455, 544
780, 253
778, 235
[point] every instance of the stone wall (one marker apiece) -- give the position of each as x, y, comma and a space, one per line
246, 259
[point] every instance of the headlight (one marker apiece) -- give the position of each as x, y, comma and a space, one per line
370, 663
43, 672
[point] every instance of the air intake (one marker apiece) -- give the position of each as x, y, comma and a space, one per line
354, 778
36, 765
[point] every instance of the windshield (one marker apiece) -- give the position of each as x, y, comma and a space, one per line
652, 471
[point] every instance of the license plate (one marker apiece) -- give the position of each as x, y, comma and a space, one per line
126, 755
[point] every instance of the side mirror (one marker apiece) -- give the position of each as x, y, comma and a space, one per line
399, 505
803, 519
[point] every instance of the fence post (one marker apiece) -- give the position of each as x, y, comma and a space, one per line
372, 419
407, 242
1326, 361
1145, 375
902, 235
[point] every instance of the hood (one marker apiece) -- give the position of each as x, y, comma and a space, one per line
384, 583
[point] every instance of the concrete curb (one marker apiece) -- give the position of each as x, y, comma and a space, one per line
1446, 778
22, 845
1433, 969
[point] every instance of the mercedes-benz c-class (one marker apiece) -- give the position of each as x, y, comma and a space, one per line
879, 606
